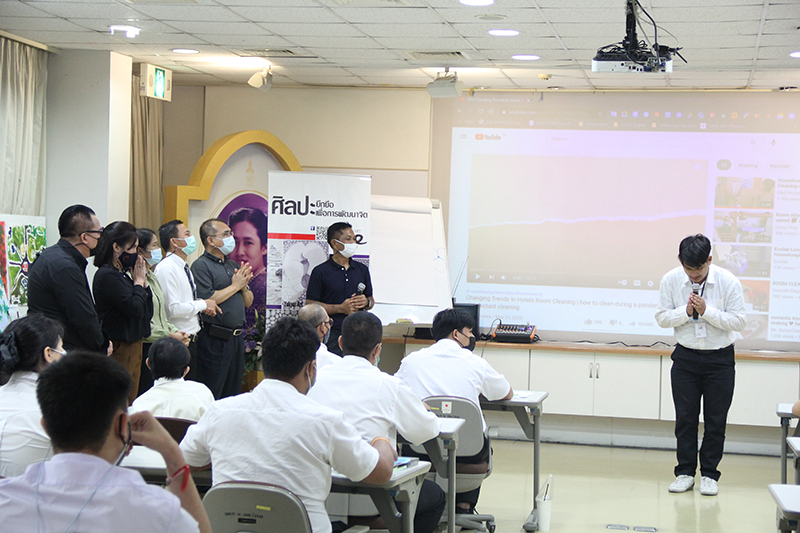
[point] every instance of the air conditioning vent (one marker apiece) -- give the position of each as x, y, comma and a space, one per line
438, 56
274, 53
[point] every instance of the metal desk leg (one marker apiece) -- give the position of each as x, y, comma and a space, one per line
532, 523
450, 446
784, 447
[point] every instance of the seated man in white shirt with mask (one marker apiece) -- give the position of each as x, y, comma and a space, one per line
277, 435
84, 403
449, 368
315, 316
377, 404
171, 396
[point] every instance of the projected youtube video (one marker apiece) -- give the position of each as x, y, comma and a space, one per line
566, 213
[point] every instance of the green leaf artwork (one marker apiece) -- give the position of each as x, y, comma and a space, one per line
23, 244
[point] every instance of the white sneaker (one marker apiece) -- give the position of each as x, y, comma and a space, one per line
682, 484
708, 486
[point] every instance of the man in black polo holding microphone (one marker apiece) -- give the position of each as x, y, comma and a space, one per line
220, 347
339, 285
705, 306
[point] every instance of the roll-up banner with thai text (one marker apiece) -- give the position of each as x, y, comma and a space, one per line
301, 207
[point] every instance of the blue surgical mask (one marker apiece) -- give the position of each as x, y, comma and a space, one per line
191, 245
155, 257
228, 244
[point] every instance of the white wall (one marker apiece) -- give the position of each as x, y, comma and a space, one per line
88, 134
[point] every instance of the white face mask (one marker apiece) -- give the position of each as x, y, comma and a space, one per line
349, 248
228, 244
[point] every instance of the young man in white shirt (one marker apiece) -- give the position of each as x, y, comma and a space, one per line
377, 404
315, 316
449, 368
171, 396
84, 399
705, 306
276, 434
177, 283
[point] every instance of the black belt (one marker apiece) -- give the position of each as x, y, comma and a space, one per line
221, 332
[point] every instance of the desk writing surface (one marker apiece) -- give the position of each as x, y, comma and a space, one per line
449, 427
399, 476
784, 410
521, 397
788, 499
794, 445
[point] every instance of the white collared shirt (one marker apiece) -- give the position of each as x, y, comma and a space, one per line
181, 306
175, 398
377, 404
725, 312
276, 435
447, 369
123, 501
325, 357
23, 440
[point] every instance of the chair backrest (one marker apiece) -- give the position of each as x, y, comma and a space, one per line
176, 427
470, 437
249, 507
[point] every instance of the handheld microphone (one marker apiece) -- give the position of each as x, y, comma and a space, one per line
695, 290
360, 290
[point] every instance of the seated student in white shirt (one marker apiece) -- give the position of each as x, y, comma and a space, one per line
27, 346
449, 368
276, 434
377, 404
315, 316
84, 402
171, 396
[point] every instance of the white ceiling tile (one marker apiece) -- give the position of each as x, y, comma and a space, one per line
426, 31
481, 29
63, 37
335, 42
299, 15
246, 41
588, 15
326, 80
290, 29
147, 26
20, 9
216, 28
517, 15
88, 10
15, 24
388, 15
171, 12
421, 43
356, 53
271, 3
170, 39
518, 45
671, 17
407, 73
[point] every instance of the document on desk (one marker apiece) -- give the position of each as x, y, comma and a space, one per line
404, 462
521, 395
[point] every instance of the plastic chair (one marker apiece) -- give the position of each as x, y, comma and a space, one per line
470, 443
251, 507
176, 427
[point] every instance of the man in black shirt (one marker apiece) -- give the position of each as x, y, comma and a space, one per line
334, 284
220, 347
57, 284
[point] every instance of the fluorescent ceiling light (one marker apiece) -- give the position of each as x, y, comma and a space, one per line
477, 3
184, 51
795, 54
130, 31
503, 33
525, 57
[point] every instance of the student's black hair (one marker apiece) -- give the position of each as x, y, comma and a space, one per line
694, 250
145, 236
287, 347
120, 232
256, 217
79, 395
23, 341
449, 319
168, 231
335, 231
207, 230
361, 332
168, 358
74, 220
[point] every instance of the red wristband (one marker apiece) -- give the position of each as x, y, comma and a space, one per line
184, 470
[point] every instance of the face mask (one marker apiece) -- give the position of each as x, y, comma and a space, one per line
191, 245
155, 257
308, 375
326, 337
470, 345
228, 244
128, 260
349, 249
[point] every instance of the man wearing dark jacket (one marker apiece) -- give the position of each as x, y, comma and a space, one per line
57, 284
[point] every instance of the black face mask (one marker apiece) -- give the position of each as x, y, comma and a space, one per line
471, 345
128, 260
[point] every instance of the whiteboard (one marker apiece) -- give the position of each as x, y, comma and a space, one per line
408, 259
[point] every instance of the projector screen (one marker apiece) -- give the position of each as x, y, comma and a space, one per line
566, 209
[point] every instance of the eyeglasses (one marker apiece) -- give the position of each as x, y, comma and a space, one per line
328, 322
95, 230
59, 352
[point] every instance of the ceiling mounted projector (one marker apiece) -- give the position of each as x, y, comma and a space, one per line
632, 55
261, 80
446, 85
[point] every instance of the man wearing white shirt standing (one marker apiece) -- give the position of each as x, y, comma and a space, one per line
276, 434
171, 396
705, 306
315, 316
449, 368
377, 404
175, 277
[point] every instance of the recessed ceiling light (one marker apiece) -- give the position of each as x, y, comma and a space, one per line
477, 2
525, 57
184, 51
795, 54
503, 33
130, 31
491, 17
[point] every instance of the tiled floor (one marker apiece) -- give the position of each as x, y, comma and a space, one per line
596, 486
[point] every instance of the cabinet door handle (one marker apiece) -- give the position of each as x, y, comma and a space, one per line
591, 365
597, 371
